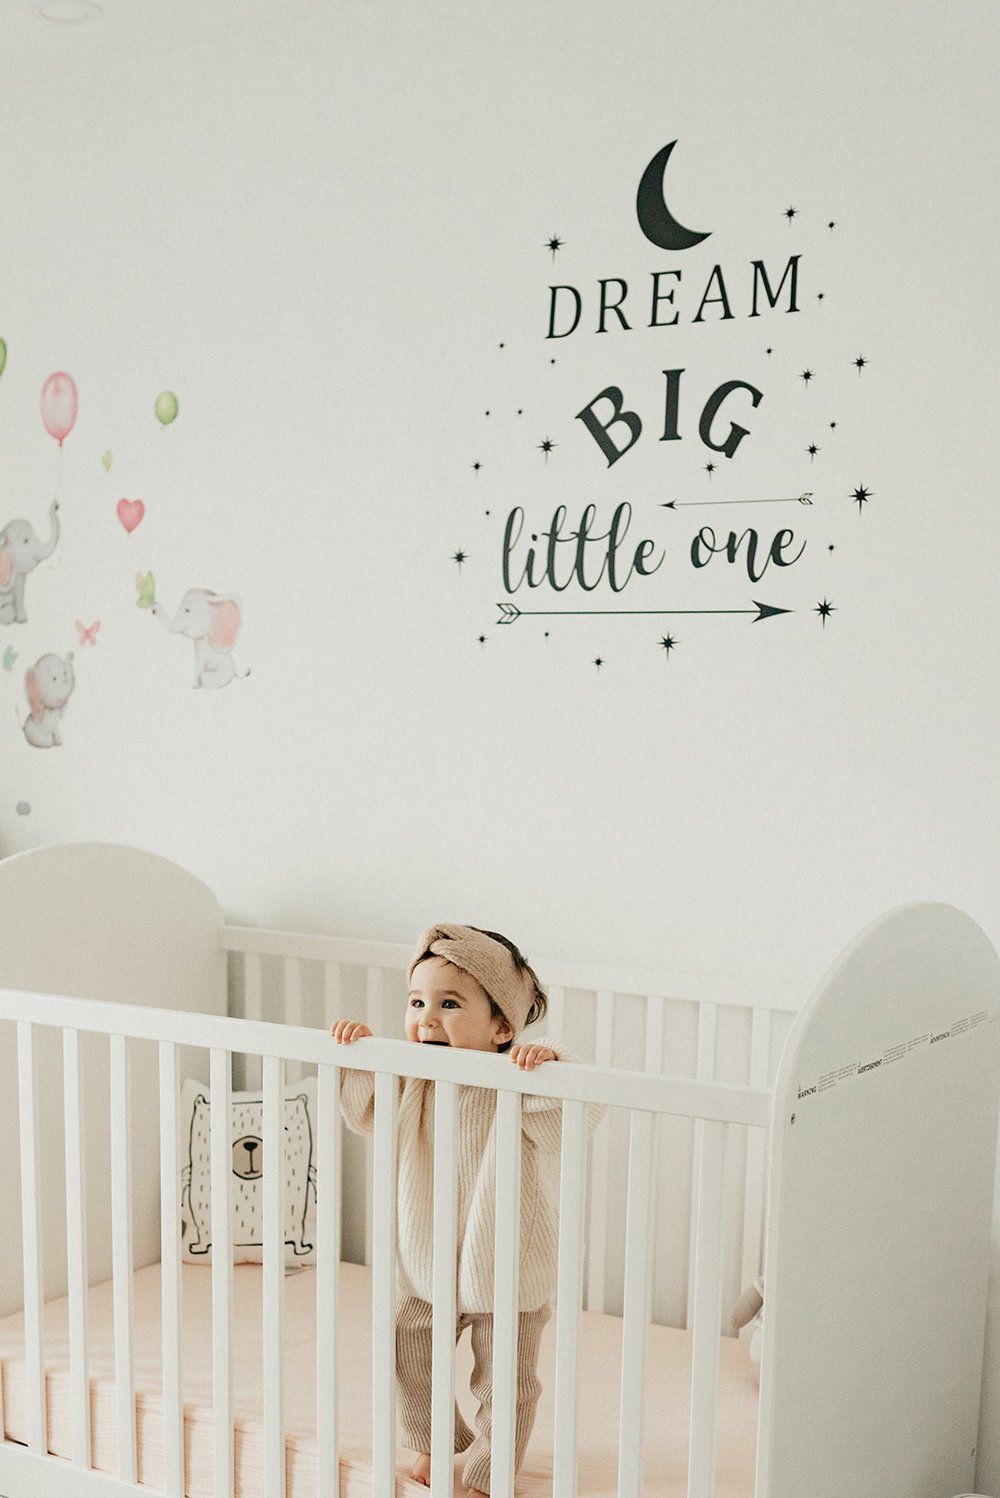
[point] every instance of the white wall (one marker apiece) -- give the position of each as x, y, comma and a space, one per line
317, 225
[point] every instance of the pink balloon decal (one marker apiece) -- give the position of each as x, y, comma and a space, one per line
59, 405
130, 512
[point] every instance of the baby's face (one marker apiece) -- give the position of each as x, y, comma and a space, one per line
449, 1007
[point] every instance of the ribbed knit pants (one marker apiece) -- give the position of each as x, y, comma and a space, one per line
413, 1382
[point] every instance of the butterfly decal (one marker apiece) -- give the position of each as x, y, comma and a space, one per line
146, 589
88, 632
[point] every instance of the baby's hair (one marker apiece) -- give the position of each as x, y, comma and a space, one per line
540, 1002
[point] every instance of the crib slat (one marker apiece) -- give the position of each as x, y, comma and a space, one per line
333, 988
707, 1309
597, 1253
635, 1309
76, 1248
253, 1009
170, 1273
274, 1277
505, 1296
121, 1255
328, 1210
222, 1276
384, 1289
655, 1029
443, 1332
756, 1163
373, 1009
556, 1018
28, 1104
292, 1007
569, 1297
707, 1031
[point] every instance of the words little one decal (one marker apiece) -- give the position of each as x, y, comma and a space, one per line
693, 455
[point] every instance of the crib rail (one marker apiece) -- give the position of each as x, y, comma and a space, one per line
681, 1025
719, 1109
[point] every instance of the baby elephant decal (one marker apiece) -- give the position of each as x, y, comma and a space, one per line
20, 553
48, 684
212, 621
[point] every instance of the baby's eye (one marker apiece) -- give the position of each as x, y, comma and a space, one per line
416, 1003
450, 1004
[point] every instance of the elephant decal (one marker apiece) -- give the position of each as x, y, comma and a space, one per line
212, 621
48, 685
20, 553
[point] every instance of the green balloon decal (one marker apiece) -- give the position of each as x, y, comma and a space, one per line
3, 356
166, 407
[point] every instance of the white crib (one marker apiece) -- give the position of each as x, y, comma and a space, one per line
877, 1192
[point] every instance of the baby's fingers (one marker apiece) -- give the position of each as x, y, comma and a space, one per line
527, 1057
346, 1030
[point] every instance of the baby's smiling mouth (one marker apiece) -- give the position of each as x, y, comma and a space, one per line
435, 1042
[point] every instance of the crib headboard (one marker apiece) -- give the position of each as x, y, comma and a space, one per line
95, 920
883, 1145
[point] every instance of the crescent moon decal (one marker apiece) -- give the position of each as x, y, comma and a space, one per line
655, 219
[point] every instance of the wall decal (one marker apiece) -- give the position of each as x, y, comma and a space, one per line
106, 461
661, 358
146, 588
48, 685
3, 356
130, 512
655, 219
21, 550
87, 632
9, 657
60, 404
166, 407
23, 808
212, 621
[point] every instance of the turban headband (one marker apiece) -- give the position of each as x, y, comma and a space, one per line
511, 988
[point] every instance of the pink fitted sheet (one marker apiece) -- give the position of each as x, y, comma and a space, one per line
667, 1410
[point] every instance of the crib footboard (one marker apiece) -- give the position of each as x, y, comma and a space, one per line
884, 1141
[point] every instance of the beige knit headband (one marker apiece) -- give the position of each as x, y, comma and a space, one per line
513, 990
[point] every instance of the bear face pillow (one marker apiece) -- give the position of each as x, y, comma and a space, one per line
249, 1164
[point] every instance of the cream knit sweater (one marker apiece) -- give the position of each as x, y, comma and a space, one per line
541, 1128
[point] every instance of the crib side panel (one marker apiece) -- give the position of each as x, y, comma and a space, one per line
679, 1025
884, 1140
95, 920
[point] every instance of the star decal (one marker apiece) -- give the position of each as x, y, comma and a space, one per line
831, 224
482, 639
824, 610
710, 469
860, 363
460, 557
807, 375
667, 642
812, 449
554, 244
476, 466
790, 213
861, 496
546, 447
598, 662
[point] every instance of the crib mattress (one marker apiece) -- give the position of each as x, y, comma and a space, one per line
667, 1408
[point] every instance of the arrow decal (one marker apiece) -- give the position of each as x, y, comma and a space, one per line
693, 504
509, 612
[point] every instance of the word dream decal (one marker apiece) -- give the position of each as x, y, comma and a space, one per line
668, 358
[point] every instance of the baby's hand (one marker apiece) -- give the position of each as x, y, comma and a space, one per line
346, 1030
527, 1057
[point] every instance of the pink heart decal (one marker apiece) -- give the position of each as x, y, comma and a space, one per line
130, 512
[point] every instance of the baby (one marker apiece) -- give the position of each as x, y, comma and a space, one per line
473, 989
